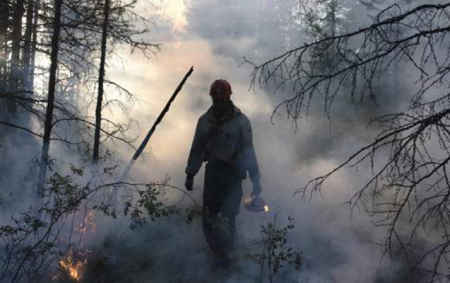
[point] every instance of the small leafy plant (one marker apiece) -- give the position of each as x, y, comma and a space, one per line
275, 254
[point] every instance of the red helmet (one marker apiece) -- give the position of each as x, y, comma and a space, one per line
220, 88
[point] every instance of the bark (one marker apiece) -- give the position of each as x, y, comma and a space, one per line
51, 96
34, 42
4, 15
101, 77
333, 18
4, 23
28, 46
15, 49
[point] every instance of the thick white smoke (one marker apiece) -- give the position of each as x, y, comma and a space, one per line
338, 245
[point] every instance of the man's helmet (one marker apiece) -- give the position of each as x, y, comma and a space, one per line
255, 204
220, 88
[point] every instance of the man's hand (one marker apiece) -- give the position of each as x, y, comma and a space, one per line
256, 188
189, 184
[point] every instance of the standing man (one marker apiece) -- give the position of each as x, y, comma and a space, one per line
224, 139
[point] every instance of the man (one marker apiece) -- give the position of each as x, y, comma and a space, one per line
223, 138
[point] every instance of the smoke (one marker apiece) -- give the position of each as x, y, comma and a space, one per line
338, 244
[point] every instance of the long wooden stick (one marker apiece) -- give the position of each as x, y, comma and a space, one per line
153, 128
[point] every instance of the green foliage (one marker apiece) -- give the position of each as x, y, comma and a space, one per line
106, 208
193, 212
149, 202
34, 239
275, 253
64, 195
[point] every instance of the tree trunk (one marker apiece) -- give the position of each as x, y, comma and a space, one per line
28, 46
15, 51
333, 18
101, 77
51, 97
26, 58
34, 42
4, 86
4, 15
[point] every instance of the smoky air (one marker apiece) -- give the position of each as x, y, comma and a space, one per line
224, 141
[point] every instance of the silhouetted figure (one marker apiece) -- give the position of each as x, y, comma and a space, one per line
223, 138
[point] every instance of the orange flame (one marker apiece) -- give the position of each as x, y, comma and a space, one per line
72, 267
88, 222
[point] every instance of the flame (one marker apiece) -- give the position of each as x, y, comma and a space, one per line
266, 208
88, 222
71, 267
74, 271
73, 263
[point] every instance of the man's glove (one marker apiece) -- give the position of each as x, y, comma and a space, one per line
256, 188
189, 184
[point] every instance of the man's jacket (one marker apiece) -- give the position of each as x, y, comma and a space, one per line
229, 139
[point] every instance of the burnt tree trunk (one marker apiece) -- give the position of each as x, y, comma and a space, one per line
26, 58
51, 96
14, 77
4, 24
333, 18
101, 78
26, 85
4, 16
34, 42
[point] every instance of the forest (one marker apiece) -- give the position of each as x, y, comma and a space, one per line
348, 102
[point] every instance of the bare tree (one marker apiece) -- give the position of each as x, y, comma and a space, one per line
117, 27
4, 15
16, 35
101, 78
48, 124
409, 192
80, 41
28, 45
321, 19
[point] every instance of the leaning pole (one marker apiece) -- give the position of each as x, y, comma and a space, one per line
153, 128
